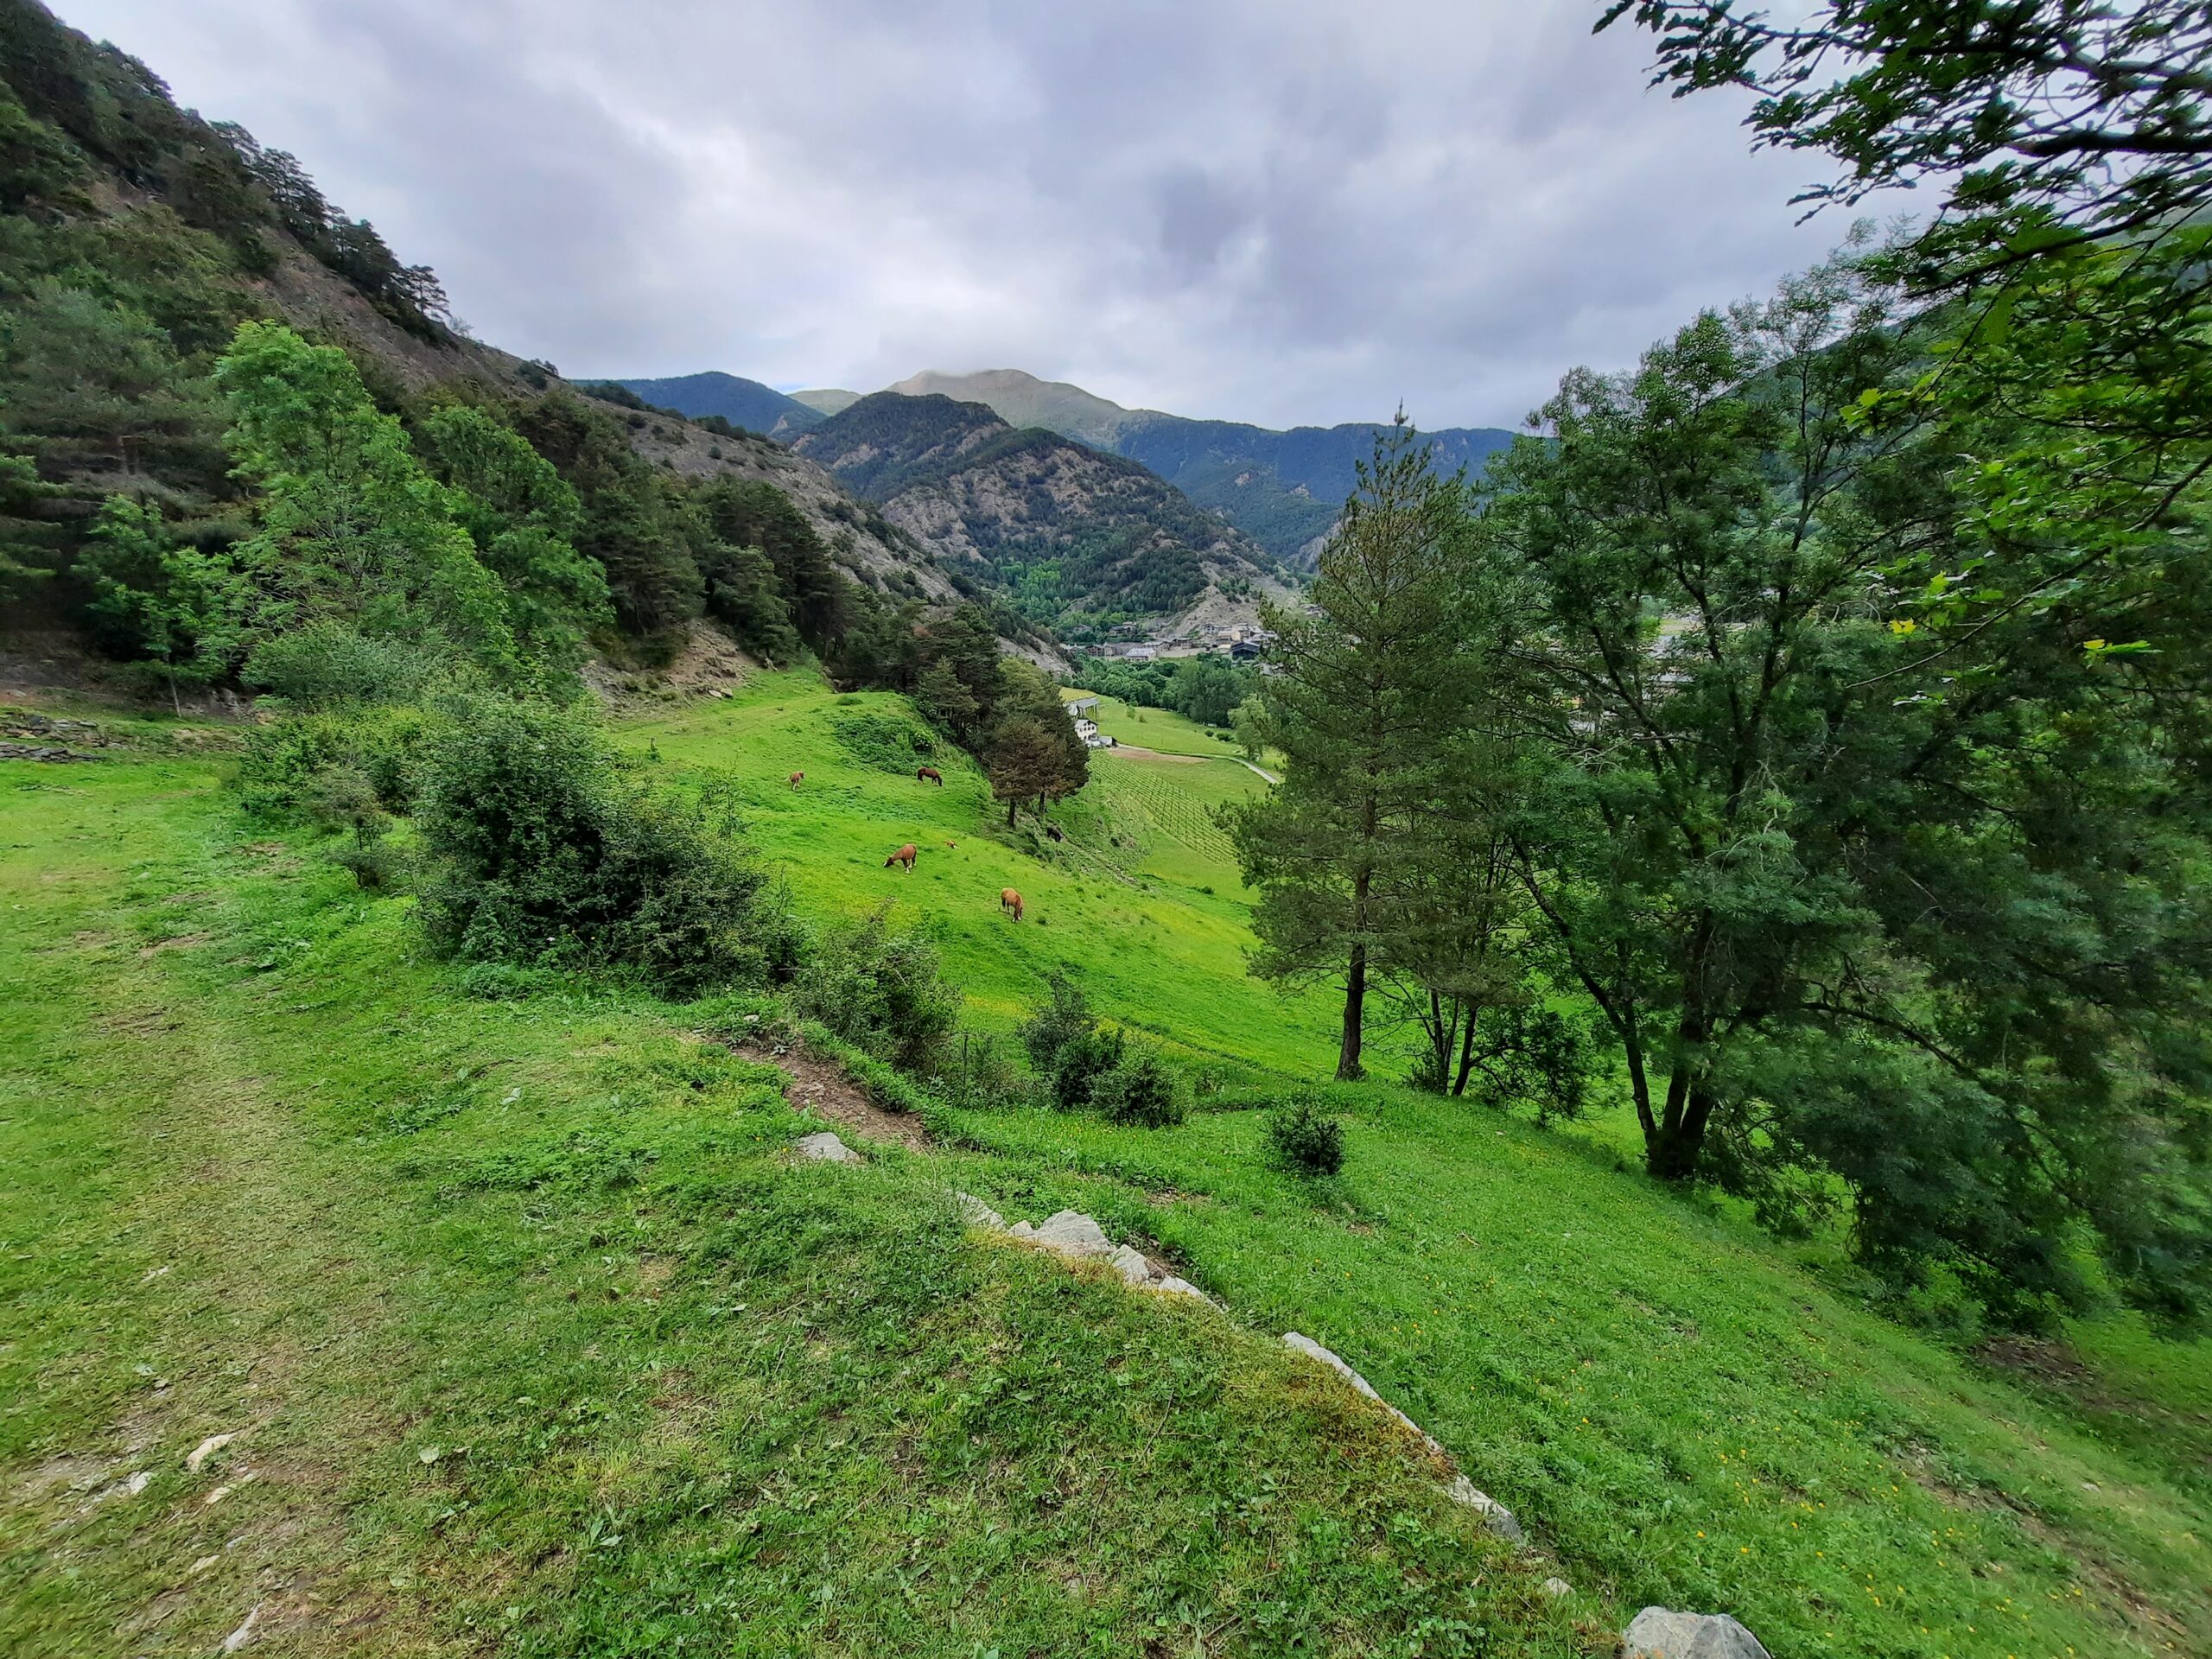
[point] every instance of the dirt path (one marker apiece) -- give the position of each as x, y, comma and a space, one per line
819, 1088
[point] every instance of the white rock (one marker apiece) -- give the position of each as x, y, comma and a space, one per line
827, 1148
1557, 1587
1073, 1233
244, 1632
138, 1482
207, 1449
1657, 1633
1131, 1265
1494, 1515
977, 1213
1170, 1285
200, 1566
1313, 1350
1021, 1230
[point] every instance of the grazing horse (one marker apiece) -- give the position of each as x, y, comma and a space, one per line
1010, 900
929, 775
950, 845
797, 778
1054, 831
906, 856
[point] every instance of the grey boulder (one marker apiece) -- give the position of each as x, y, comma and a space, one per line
1073, 1233
977, 1213
826, 1147
1660, 1633
1494, 1515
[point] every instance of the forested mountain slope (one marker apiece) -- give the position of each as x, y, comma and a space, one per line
734, 398
142, 237
1077, 538
1283, 489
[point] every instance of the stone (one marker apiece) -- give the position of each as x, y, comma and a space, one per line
1021, 1230
1131, 1265
826, 1147
138, 1482
1494, 1515
1557, 1587
1170, 1285
1073, 1233
977, 1213
244, 1633
1313, 1350
1658, 1633
207, 1449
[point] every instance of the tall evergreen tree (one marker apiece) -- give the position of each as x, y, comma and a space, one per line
1370, 691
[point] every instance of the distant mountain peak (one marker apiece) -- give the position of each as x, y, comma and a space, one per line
1022, 399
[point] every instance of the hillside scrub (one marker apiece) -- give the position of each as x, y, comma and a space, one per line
541, 850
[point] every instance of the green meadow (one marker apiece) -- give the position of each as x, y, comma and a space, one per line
536, 1342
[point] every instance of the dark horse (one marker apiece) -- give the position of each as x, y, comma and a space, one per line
930, 775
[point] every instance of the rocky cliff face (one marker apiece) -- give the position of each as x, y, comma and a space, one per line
1076, 537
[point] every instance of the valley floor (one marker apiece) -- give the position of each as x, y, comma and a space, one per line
535, 1340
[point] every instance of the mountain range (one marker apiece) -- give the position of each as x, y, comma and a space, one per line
1074, 536
1283, 489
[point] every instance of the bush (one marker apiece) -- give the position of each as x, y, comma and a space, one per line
1083, 1061
326, 664
1303, 1138
282, 762
544, 851
1139, 1091
1064, 1017
374, 864
1068, 1049
881, 991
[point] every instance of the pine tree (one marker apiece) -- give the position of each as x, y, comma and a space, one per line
1369, 692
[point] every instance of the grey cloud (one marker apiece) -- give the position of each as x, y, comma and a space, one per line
1270, 210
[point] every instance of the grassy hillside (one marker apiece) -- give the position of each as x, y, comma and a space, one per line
535, 1341
1690, 1413
269, 1168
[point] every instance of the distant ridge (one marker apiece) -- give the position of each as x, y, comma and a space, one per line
737, 400
1283, 489
830, 400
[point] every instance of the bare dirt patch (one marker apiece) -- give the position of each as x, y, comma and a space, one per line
818, 1088
1156, 754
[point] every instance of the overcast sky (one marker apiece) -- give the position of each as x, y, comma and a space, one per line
1281, 210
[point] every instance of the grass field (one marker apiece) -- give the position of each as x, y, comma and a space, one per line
267, 1167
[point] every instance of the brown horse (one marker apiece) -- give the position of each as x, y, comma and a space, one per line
906, 856
930, 775
950, 845
797, 778
1010, 900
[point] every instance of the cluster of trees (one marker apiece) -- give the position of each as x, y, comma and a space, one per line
1206, 688
1819, 710
998, 707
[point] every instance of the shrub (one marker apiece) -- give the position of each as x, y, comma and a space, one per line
1303, 1138
374, 864
1065, 1016
1139, 1091
281, 761
881, 991
1084, 1060
326, 664
544, 851
341, 797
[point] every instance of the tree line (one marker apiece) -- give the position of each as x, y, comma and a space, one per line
1806, 730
